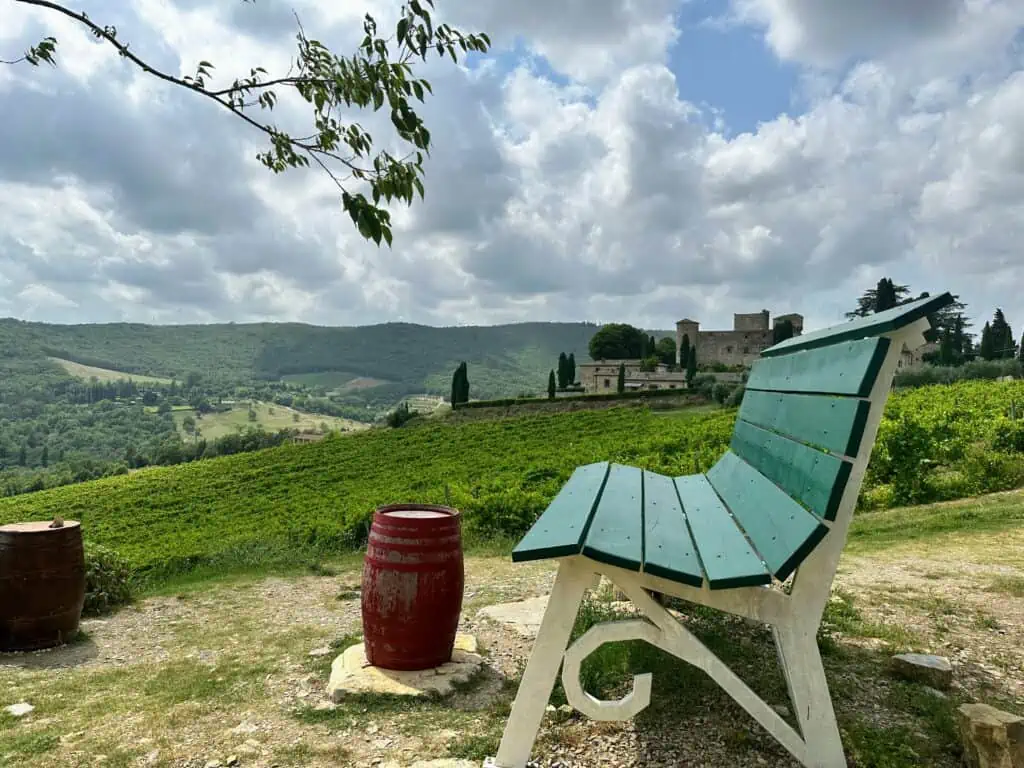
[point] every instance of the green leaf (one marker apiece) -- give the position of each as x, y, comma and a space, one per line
403, 29
418, 90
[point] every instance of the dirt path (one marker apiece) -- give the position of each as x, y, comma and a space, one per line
226, 672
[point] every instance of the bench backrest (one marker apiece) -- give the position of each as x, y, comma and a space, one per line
801, 427
767, 503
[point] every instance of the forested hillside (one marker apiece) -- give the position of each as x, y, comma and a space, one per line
405, 358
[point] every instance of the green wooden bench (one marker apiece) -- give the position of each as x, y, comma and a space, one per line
777, 504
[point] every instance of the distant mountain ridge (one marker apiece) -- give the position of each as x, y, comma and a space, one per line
503, 360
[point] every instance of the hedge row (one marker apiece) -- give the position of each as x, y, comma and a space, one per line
637, 395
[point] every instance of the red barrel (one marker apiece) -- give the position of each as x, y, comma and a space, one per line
42, 584
412, 586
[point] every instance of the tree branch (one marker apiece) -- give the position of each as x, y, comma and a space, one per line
369, 79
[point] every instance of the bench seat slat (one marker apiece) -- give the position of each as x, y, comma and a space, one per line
668, 548
833, 423
615, 535
849, 368
783, 531
725, 554
560, 530
813, 478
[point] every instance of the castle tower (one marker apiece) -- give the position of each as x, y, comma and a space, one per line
753, 321
796, 319
690, 329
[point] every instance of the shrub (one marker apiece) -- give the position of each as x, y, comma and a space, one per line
987, 471
1008, 436
704, 385
908, 448
720, 392
107, 580
735, 398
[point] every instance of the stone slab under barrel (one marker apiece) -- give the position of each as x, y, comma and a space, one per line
42, 584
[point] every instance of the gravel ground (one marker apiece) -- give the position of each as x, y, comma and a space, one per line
273, 623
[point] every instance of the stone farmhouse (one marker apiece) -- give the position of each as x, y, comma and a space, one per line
750, 335
603, 376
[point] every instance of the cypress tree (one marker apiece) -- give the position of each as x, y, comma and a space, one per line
621, 384
460, 385
571, 368
1020, 351
684, 351
46, 456
551, 385
946, 355
691, 364
1001, 335
456, 387
885, 295
563, 370
987, 347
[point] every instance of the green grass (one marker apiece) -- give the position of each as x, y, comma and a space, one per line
872, 531
271, 417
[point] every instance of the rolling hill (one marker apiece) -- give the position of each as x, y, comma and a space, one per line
400, 358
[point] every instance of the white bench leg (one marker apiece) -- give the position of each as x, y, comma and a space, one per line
808, 692
572, 581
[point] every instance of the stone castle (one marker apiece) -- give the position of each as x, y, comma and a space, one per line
750, 334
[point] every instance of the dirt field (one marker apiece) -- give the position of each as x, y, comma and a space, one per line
104, 374
271, 417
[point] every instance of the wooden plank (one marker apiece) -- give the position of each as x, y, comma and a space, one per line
782, 531
616, 532
834, 424
668, 548
863, 327
725, 554
562, 527
849, 368
813, 478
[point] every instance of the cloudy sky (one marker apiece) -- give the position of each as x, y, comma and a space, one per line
609, 160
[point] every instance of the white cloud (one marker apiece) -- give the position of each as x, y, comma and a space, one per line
599, 194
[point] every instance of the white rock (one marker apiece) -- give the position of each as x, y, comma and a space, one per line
323, 650
522, 617
245, 727
20, 709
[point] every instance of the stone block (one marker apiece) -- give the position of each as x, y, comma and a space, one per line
991, 738
935, 671
352, 673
